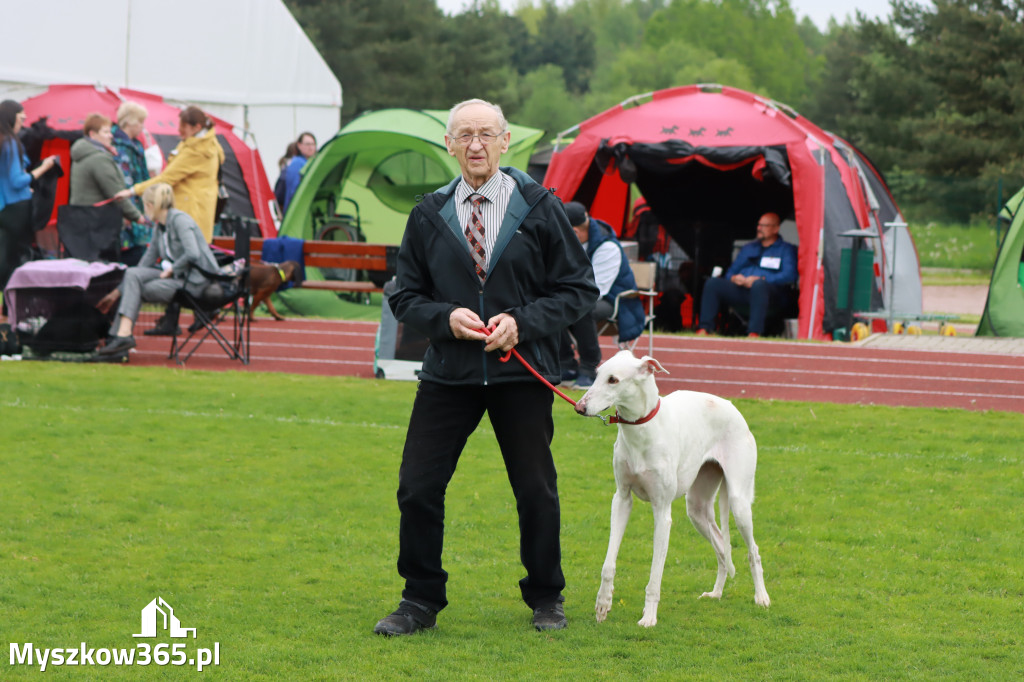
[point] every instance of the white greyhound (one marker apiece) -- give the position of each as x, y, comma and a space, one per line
686, 443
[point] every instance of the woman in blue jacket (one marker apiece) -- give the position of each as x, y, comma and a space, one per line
15, 191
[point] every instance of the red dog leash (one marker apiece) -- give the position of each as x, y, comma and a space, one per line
615, 419
513, 351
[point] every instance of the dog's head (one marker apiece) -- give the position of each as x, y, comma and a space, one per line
291, 271
623, 380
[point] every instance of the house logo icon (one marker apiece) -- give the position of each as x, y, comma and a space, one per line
169, 620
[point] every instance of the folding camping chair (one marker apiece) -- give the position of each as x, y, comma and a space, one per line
228, 296
644, 273
90, 233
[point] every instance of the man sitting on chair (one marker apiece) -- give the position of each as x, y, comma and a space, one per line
613, 276
760, 279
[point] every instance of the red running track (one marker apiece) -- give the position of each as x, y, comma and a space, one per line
733, 368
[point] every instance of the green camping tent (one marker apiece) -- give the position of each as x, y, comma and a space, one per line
1004, 309
362, 184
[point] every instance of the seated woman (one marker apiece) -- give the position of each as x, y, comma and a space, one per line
95, 176
176, 258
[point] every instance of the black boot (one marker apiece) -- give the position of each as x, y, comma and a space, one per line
168, 324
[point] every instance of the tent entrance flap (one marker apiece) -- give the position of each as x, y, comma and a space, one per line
707, 204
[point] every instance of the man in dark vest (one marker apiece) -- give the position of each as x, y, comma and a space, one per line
613, 275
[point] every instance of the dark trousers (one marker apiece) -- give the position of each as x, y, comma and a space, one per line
584, 333
442, 419
759, 299
16, 238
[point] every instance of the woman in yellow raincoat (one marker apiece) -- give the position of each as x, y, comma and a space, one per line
192, 170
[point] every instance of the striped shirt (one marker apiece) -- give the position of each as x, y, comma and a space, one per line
497, 192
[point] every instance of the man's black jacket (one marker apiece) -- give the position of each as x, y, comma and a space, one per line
538, 273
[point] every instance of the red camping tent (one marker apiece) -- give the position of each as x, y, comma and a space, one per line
66, 107
711, 159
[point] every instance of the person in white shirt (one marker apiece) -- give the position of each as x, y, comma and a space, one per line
613, 275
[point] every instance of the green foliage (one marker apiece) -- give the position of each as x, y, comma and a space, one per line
380, 62
645, 68
762, 36
936, 91
262, 507
478, 43
562, 41
545, 104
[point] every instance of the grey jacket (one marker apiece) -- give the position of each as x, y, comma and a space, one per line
180, 241
96, 177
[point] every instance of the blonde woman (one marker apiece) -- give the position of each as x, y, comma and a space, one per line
192, 170
176, 258
131, 158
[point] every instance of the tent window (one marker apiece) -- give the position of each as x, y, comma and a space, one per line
400, 178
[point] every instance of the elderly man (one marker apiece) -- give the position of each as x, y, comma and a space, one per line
487, 263
613, 275
759, 279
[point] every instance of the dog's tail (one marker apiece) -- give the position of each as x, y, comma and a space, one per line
723, 515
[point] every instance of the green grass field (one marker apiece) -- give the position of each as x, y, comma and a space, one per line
262, 508
962, 247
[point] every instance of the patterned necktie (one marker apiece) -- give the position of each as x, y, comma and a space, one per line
475, 235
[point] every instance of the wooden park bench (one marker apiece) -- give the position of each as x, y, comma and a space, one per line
346, 260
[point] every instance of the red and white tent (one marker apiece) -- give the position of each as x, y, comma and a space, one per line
66, 106
710, 159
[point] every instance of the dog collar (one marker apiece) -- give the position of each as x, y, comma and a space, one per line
619, 420
280, 273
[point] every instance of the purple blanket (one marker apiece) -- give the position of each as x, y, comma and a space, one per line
65, 272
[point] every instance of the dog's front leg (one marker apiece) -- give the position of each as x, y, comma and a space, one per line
622, 505
662, 526
273, 311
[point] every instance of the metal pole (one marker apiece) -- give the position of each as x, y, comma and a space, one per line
892, 268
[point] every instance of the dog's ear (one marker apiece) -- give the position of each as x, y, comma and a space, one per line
649, 365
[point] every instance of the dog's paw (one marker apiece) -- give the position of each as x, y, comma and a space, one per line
603, 606
648, 621
712, 595
762, 600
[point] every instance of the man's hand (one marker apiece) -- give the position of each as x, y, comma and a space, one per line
504, 333
466, 325
107, 302
744, 280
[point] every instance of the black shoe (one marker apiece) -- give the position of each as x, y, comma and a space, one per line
195, 326
407, 619
120, 344
550, 617
163, 329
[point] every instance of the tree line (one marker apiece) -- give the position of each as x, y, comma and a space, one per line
934, 95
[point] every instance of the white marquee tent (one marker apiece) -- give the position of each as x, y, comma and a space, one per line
245, 61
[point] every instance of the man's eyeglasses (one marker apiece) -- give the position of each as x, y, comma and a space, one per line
485, 139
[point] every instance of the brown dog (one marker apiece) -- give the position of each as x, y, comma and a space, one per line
265, 278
